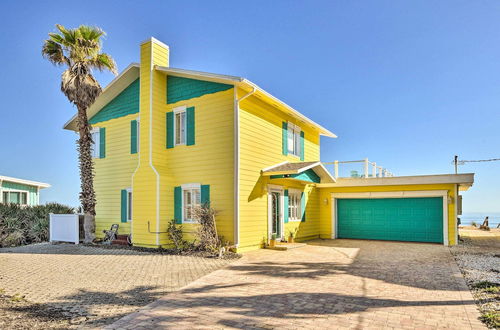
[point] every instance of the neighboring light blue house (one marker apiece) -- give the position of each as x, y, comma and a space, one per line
20, 191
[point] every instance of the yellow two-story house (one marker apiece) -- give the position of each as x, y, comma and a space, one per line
168, 140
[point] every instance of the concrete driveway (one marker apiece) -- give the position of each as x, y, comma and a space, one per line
95, 286
326, 284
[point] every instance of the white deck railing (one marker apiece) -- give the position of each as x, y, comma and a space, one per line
370, 169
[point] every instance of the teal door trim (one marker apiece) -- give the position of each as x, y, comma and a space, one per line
443, 194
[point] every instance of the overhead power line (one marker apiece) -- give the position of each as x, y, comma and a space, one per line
461, 162
457, 161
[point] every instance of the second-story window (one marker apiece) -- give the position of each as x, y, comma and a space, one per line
293, 139
180, 125
95, 146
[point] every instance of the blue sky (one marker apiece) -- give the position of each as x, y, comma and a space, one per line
408, 84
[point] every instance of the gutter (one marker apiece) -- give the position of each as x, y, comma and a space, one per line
237, 162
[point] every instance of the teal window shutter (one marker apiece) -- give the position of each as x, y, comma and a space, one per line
190, 126
284, 133
102, 142
205, 194
303, 206
133, 137
178, 204
170, 130
302, 145
124, 206
285, 206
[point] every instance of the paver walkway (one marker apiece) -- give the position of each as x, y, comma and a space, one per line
327, 284
96, 286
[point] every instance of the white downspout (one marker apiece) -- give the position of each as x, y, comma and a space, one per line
237, 162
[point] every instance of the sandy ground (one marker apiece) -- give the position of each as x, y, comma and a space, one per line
478, 257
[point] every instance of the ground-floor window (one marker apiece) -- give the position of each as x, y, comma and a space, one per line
129, 204
191, 198
294, 205
15, 197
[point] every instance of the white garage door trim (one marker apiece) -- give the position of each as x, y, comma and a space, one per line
392, 194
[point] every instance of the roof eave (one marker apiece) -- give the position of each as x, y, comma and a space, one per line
244, 83
464, 180
25, 182
323, 131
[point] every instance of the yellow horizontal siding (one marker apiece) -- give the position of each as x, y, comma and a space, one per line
114, 173
260, 147
210, 161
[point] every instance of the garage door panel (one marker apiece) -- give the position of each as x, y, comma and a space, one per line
400, 219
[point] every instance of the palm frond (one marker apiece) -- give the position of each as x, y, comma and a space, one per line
69, 35
54, 52
91, 32
103, 62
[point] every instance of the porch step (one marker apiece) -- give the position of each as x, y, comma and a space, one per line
286, 246
120, 240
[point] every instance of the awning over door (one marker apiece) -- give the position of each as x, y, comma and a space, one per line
308, 172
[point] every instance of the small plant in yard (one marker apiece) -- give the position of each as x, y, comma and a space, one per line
487, 286
473, 224
175, 234
492, 319
208, 239
291, 235
272, 241
17, 298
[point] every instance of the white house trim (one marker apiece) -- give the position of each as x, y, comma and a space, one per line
22, 181
392, 194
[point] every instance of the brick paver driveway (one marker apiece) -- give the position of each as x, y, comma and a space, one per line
327, 284
93, 285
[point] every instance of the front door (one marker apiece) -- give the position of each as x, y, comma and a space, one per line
275, 214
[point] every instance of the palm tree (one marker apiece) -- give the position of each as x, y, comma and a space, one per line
79, 50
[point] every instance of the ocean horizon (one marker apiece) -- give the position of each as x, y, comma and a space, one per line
467, 218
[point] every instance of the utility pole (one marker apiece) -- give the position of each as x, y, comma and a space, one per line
456, 164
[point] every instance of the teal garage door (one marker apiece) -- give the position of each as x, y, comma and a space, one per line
392, 219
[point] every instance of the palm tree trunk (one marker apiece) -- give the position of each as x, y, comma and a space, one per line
87, 194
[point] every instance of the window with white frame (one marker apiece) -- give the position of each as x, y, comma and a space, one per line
294, 205
293, 142
180, 125
191, 198
129, 204
15, 197
95, 145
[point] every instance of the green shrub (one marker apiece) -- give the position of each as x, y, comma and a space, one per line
492, 319
487, 286
21, 225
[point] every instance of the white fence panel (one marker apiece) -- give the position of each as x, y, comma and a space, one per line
64, 228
